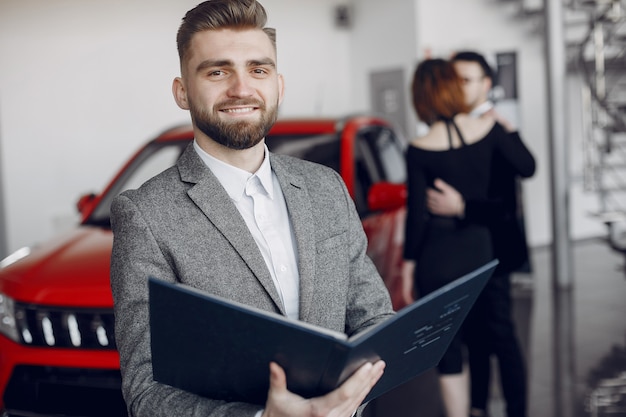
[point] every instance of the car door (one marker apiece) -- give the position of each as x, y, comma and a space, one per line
380, 195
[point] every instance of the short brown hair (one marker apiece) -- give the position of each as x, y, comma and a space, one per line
437, 91
221, 14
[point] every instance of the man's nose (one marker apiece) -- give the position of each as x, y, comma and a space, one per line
240, 86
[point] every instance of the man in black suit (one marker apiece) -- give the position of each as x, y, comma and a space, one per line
492, 330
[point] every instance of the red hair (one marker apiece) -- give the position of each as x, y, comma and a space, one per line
437, 91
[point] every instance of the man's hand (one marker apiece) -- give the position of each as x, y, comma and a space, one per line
508, 126
445, 200
342, 402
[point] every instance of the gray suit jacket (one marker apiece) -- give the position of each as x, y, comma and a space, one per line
181, 226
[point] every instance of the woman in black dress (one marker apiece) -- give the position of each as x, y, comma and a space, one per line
458, 149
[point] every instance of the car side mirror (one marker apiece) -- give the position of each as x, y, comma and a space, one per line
386, 196
84, 202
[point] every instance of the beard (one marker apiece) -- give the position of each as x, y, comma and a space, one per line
236, 135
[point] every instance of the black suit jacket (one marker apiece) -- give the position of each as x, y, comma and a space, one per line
503, 213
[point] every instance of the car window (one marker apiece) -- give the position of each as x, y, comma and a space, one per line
383, 153
379, 156
152, 164
390, 156
155, 158
323, 149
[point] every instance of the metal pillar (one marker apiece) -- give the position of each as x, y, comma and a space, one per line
564, 375
556, 76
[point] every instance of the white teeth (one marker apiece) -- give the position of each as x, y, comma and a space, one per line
240, 110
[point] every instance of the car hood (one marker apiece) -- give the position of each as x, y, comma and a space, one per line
70, 270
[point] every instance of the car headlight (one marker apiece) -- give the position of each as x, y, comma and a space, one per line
8, 325
15, 256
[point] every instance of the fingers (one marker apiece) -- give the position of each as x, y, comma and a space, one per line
432, 196
407, 299
407, 281
349, 396
343, 401
372, 373
447, 201
441, 185
280, 401
506, 124
436, 196
434, 200
407, 295
278, 379
378, 368
364, 379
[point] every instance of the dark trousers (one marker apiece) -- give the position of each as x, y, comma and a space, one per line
490, 331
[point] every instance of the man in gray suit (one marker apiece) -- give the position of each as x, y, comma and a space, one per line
232, 219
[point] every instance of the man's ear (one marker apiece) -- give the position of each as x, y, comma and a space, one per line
281, 88
488, 83
180, 93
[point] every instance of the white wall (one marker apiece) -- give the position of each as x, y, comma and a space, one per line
492, 26
83, 83
312, 55
384, 38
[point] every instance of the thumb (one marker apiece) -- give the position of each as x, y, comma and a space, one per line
278, 379
441, 184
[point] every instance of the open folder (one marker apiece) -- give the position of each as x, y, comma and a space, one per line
220, 349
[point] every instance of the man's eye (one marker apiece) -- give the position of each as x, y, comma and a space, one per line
216, 73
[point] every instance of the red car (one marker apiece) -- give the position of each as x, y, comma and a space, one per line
57, 349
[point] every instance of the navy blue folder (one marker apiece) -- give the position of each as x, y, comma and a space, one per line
220, 349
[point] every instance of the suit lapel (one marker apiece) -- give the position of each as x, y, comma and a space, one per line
211, 198
299, 207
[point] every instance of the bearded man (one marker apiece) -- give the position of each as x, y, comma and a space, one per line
236, 221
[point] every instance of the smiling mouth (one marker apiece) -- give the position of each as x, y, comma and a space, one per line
239, 110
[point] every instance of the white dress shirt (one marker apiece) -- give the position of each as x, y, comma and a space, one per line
261, 202
482, 108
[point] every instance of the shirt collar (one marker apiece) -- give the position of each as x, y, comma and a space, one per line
482, 108
234, 179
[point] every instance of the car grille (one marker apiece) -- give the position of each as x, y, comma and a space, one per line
56, 391
58, 327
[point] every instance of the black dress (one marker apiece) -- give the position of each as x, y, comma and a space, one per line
445, 248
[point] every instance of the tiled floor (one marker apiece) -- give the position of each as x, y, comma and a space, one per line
578, 338
574, 341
